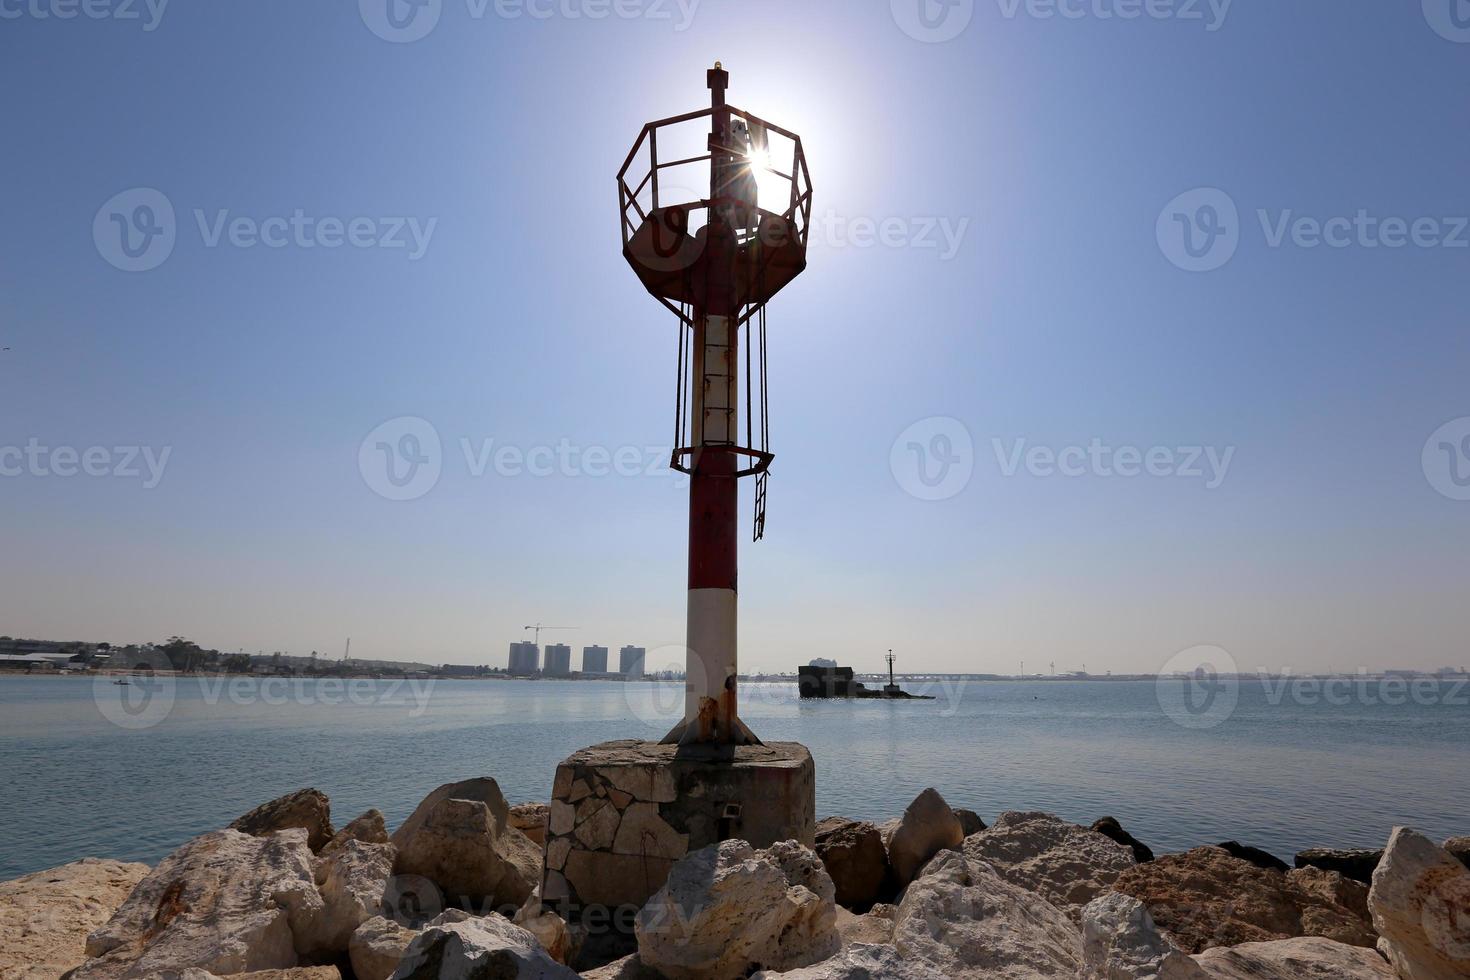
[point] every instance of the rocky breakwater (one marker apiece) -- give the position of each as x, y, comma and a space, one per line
452, 895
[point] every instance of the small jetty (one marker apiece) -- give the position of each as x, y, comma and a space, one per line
824, 679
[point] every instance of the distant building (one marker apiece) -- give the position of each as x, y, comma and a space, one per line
558, 660
525, 659
630, 661
594, 660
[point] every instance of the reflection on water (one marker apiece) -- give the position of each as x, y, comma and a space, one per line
1279, 773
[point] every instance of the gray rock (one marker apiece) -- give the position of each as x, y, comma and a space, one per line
488, 948
378, 945
1304, 958
225, 903
476, 860
1459, 847
970, 822
853, 853
1254, 855
352, 877
960, 919
1110, 828
368, 828
927, 827
1121, 942
1420, 903
726, 909
45, 917
483, 789
308, 809
857, 962
1066, 864
1355, 864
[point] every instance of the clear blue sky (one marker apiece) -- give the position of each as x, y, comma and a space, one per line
1054, 142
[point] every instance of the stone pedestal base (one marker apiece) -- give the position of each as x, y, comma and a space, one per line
623, 812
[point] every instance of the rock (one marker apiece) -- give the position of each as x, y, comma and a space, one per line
853, 853
299, 973
1333, 890
475, 859
873, 928
1254, 855
45, 917
1355, 864
377, 946
368, 828
1110, 828
549, 928
970, 822
1066, 864
1420, 903
225, 902
530, 819
352, 879
728, 908
859, 962
308, 809
1307, 958
484, 790
628, 968
488, 948
1121, 942
960, 919
1459, 847
927, 827
1205, 897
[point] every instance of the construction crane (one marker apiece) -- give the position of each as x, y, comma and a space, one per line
538, 628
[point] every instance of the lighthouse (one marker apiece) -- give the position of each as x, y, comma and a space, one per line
715, 206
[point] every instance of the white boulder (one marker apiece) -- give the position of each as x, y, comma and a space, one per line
45, 917
728, 908
225, 903
857, 962
1121, 942
351, 877
1069, 865
1420, 903
1303, 958
927, 827
962, 920
488, 948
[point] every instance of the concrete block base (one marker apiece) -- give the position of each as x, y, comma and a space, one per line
623, 812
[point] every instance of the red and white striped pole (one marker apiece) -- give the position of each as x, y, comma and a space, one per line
711, 714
